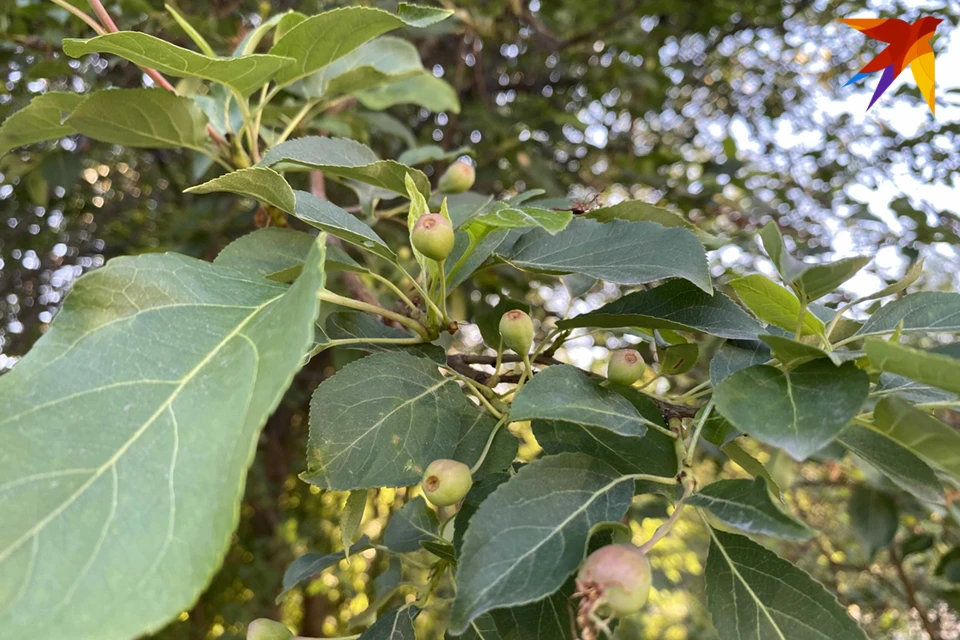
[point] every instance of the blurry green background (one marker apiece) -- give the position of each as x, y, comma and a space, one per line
731, 112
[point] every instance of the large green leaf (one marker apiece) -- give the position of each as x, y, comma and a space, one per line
474, 434
753, 594
637, 211
874, 517
746, 505
674, 305
40, 120
530, 534
274, 253
367, 66
380, 421
792, 353
928, 367
396, 624
422, 89
800, 410
506, 217
546, 619
936, 443
244, 74
152, 118
618, 251
261, 184
321, 39
347, 159
895, 461
734, 355
479, 492
924, 311
328, 217
192, 357
774, 304
413, 523
563, 392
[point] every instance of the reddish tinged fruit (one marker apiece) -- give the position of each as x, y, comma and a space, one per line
516, 331
617, 577
433, 236
266, 629
458, 177
625, 367
446, 482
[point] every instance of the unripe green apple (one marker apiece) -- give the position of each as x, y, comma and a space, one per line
266, 629
516, 331
625, 367
433, 236
446, 482
621, 574
458, 177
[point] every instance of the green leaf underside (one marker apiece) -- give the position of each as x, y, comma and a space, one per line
351, 517
473, 262
152, 118
347, 159
505, 217
547, 619
874, 517
678, 358
933, 441
751, 465
442, 549
412, 524
309, 565
350, 325
40, 120
928, 367
194, 357
792, 353
800, 410
396, 624
530, 534
620, 252
817, 280
261, 184
274, 253
925, 311
734, 355
329, 217
563, 392
367, 66
380, 421
422, 89
892, 384
752, 594
243, 74
321, 39
775, 305
474, 434
896, 462
677, 305
746, 505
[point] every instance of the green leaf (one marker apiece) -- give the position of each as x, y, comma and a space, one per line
916, 543
222, 110
244, 74
677, 305
274, 253
889, 383
321, 39
190, 356
153, 118
309, 565
734, 355
528, 537
873, 515
774, 304
923, 366
924, 311
752, 594
746, 505
372, 64
949, 565
792, 353
474, 433
261, 184
563, 392
479, 492
911, 276
895, 461
678, 358
412, 524
933, 441
351, 518
580, 285
818, 280
787, 266
473, 261
396, 624
351, 325
189, 29
329, 217
800, 410
347, 159
751, 465
430, 153
423, 90
637, 211
380, 421
40, 120
546, 619
618, 251
504, 217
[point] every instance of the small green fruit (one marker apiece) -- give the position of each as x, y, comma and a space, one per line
433, 236
458, 177
621, 575
625, 367
516, 331
446, 482
266, 629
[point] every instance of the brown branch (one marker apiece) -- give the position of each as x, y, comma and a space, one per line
911, 592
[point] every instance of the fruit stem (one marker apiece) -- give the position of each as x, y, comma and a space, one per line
495, 380
329, 296
526, 375
688, 460
420, 290
395, 289
665, 528
486, 447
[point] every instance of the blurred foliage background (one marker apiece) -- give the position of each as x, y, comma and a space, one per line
729, 112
